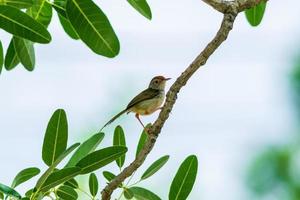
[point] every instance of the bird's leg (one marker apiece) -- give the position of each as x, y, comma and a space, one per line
138, 117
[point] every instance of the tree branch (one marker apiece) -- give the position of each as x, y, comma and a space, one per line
223, 5
219, 5
230, 10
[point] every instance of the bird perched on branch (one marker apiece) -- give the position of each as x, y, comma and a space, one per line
147, 102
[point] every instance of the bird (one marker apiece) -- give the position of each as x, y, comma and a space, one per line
146, 102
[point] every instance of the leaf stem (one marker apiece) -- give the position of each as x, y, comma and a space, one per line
130, 178
133, 184
84, 192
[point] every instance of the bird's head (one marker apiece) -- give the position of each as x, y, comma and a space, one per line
158, 83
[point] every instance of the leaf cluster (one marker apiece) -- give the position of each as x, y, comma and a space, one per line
59, 182
27, 22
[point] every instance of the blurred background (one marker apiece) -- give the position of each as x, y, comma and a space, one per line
239, 114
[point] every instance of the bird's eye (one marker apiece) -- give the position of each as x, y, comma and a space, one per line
156, 81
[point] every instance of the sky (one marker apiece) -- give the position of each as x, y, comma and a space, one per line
233, 107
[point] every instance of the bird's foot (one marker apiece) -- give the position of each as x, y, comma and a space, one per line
146, 129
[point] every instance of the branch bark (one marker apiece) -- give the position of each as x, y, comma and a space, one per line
241, 5
230, 9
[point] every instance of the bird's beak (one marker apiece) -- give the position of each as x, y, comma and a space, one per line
166, 79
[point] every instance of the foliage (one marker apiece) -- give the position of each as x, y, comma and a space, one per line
25, 175
66, 192
295, 84
119, 140
142, 7
93, 184
254, 15
9, 191
275, 171
184, 180
27, 22
155, 167
60, 183
142, 141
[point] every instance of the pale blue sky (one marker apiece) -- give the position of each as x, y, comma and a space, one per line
231, 108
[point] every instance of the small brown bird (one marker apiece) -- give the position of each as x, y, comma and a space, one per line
147, 102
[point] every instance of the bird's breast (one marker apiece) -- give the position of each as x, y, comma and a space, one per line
149, 106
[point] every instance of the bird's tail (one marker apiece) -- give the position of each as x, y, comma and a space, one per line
114, 118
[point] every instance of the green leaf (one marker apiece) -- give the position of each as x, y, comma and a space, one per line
67, 193
25, 51
68, 28
47, 173
25, 175
20, 24
108, 175
17, 3
60, 7
184, 180
128, 194
142, 140
119, 140
9, 191
56, 137
1, 195
59, 177
41, 12
254, 15
1, 57
59, 10
29, 192
143, 194
72, 183
37, 196
93, 27
85, 148
142, 7
93, 184
155, 167
11, 57
100, 158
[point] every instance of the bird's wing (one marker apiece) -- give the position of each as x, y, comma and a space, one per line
144, 95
